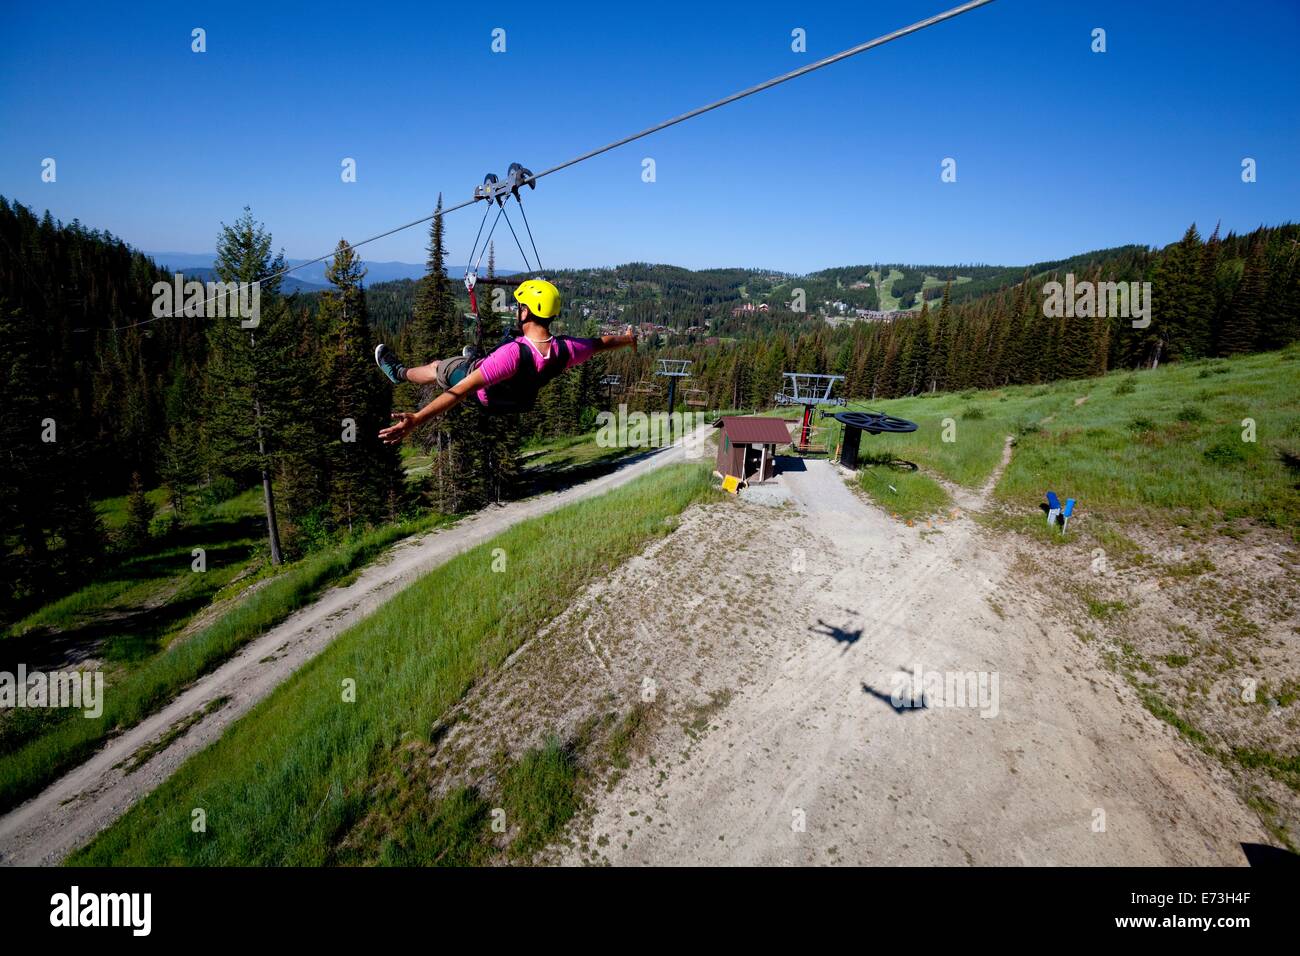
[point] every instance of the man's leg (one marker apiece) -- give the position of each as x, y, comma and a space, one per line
444, 373
391, 366
423, 374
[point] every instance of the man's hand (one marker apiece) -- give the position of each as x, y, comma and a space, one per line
405, 424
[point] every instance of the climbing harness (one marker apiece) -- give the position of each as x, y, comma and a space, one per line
519, 392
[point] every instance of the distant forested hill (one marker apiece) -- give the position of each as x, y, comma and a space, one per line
681, 298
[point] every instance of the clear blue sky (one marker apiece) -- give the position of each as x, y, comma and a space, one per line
1058, 150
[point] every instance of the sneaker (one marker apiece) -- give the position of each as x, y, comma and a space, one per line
387, 361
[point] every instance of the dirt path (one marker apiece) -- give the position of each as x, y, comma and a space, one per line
978, 500
810, 738
763, 649
86, 800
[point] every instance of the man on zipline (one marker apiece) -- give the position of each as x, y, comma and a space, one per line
507, 380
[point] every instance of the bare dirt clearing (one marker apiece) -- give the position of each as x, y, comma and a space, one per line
1206, 629
761, 651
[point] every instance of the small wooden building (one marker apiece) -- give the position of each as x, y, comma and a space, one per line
747, 446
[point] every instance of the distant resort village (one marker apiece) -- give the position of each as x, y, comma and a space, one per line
835, 313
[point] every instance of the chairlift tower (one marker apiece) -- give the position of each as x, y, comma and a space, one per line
673, 369
612, 383
808, 390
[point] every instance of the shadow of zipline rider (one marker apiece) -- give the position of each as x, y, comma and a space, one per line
905, 706
840, 635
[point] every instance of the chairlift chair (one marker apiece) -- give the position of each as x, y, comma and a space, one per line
810, 442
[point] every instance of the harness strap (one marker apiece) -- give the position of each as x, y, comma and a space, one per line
519, 392
470, 280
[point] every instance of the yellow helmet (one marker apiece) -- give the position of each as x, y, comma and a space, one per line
542, 298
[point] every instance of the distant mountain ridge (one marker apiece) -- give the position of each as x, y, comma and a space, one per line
309, 278
858, 285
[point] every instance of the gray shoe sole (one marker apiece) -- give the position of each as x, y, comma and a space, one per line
387, 374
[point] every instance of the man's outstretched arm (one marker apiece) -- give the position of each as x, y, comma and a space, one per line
406, 422
607, 343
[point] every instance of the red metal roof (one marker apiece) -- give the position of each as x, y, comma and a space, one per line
752, 430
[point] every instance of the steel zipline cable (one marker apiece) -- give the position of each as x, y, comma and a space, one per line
532, 179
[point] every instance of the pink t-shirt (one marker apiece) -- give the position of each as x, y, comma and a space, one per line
504, 362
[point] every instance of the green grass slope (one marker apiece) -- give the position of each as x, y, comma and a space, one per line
45, 750
286, 782
1172, 439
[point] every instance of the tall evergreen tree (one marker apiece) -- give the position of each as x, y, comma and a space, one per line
1241, 323
438, 328
365, 475
251, 371
916, 361
940, 342
178, 461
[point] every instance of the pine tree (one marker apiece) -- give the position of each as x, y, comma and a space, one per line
140, 512
1183, 302
1211, 256
252, 373
1241, 324
307, 424
455, 484
178, 464
940, 343
1198, 306
364, 473
436, 319
916, 363
1076, 341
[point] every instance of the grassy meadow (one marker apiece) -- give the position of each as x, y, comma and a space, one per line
228, 532
1169, 440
